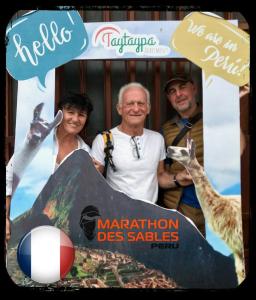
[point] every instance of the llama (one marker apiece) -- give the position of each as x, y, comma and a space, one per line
39, 130
222, 213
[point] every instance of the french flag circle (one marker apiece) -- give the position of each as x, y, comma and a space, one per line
46, 254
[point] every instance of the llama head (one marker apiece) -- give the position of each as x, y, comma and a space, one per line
183, 155
40, 128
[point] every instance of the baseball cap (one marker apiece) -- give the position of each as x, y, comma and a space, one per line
177, 77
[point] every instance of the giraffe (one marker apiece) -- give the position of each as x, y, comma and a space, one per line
222, 213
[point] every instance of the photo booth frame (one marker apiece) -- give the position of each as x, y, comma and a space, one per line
155, 36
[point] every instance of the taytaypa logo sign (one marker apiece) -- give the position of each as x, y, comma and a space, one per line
160, 233
112, 37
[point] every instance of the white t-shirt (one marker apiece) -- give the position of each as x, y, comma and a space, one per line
9, 167
81, 145
136, 177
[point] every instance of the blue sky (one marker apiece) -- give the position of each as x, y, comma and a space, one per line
221, 109
33, 180
221, 142
41, 167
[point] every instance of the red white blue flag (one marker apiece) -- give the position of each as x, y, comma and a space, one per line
46, 254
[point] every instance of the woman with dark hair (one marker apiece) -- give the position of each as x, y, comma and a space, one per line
76, 109
71, 119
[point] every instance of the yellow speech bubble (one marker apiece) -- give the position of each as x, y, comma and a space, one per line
214, 44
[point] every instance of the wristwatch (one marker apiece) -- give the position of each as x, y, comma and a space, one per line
176, 181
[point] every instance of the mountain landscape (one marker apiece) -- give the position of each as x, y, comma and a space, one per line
74, 188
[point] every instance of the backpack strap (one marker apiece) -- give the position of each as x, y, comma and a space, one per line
108, 142
186, 128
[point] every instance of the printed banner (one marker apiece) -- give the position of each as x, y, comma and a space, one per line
112, 233
215, 45
123, 40
159, 238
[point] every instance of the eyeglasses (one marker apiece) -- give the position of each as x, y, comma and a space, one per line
136, 152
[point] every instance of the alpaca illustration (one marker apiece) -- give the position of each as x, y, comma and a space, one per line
222, 213
39, 130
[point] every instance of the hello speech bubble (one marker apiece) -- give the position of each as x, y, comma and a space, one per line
42, 40
215, 45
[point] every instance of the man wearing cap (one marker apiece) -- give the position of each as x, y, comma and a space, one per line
181, 93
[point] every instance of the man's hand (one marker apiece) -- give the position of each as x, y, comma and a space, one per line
98, 166
184, 178
244, 90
